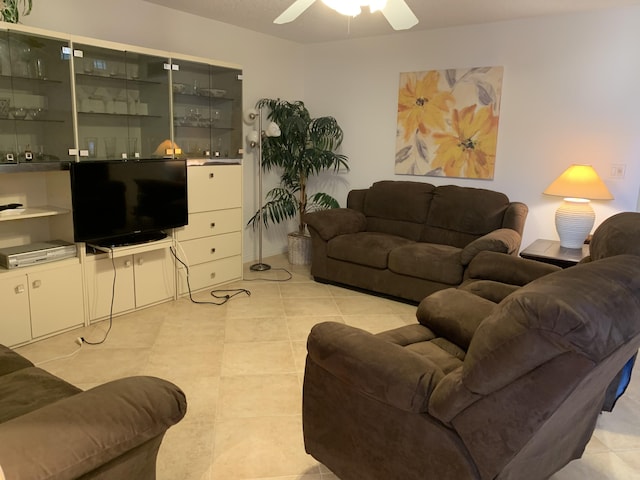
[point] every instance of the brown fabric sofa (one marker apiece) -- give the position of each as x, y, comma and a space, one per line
409, 239
50, 429
474, 391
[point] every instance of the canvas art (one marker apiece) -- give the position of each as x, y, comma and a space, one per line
448, 122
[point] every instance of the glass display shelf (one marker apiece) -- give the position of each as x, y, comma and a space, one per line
31, 212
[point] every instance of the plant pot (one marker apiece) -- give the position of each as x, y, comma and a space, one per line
299, 249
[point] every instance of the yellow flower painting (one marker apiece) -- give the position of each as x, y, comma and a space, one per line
448, 122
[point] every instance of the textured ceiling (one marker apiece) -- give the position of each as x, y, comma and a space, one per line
320, 24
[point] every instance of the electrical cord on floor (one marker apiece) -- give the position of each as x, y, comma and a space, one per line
62, 357
113, 296
290, 276
214, 293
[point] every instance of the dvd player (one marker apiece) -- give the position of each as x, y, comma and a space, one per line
34, 253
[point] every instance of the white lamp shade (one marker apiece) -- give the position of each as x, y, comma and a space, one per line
253, 137
273, 130
250, 116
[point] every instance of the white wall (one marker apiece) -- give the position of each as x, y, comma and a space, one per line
569, 92
272, 67
569, 96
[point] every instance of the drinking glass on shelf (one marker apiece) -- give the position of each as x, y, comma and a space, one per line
110, 146
133, 148
92, 146
87, 65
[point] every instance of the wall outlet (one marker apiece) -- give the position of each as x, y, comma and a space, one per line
617, 170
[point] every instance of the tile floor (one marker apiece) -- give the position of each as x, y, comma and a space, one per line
241, 366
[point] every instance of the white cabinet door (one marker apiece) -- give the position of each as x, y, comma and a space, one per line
154, 276
15, 326
100, 291
56, 300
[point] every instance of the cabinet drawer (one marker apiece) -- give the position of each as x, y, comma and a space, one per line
207, 249
211, 273
205, 224
214, 187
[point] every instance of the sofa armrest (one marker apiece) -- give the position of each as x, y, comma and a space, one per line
503, 240
375, 367
454, 314
73, 436
507, 268
336, 221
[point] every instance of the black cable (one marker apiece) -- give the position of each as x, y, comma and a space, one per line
113, 296
225, 298
272, 279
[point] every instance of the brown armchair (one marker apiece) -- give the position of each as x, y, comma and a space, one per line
476, 391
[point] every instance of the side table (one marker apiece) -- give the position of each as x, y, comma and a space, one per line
550, 251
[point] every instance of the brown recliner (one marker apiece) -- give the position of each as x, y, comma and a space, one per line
494, 276
506, 392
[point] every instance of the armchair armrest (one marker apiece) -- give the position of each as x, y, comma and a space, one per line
503, 240
507, 268
454, 314
76, 435
377, 368
336, 221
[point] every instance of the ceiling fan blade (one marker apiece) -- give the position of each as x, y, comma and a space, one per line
399, 15
294, 11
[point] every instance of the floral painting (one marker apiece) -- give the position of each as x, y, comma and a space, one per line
448, 122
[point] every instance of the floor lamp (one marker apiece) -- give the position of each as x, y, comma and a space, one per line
255, 141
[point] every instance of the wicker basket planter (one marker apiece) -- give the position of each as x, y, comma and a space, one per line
299, 249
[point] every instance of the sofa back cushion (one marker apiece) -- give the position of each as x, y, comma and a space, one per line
459, 215
398, 207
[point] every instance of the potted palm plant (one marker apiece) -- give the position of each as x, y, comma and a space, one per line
12, 9
306, 147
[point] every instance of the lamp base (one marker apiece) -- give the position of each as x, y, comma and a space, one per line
574, 221
260, 267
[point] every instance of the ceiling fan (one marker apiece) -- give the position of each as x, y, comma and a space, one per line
397, 12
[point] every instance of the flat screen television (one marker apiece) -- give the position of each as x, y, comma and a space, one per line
119, 203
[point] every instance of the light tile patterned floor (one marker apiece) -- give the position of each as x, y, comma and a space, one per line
241, 366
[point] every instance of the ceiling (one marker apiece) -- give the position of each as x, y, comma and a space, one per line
321, 24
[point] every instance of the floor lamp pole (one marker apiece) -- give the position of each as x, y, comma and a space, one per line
260, 267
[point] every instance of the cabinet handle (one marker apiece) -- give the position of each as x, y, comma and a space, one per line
212, 275
140, 261
213, 250
213, 224
36, 284
127, 263
211, 175
19, 289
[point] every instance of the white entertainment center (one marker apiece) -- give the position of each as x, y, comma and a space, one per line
48, 298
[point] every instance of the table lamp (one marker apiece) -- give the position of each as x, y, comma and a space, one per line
575, 217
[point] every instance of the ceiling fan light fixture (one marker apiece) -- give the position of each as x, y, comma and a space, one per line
376, 5
352, 8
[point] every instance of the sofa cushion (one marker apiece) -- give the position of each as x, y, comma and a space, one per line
365, 248
429, 261
459, 215
398, 208
10, 361
29, 389
424, 342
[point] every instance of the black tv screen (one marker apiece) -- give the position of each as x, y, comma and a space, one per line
123, 202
